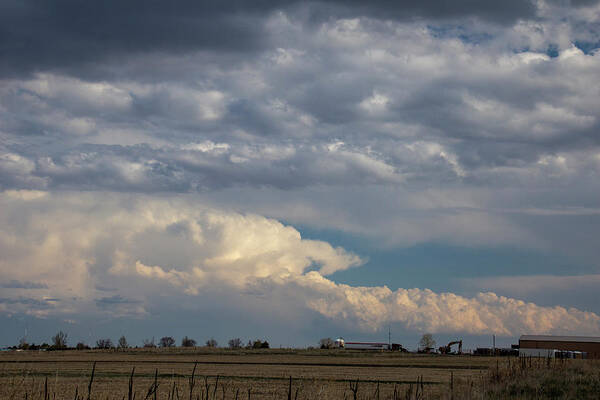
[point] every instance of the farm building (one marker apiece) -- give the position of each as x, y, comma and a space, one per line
551, 346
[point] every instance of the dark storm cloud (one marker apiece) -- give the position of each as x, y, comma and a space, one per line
40, 35
575, 3
505, 12
72, 36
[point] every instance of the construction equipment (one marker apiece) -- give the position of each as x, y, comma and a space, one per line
447, 349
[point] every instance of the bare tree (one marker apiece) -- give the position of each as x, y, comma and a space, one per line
326, 343
123, 343
104, 343
235, 343
166, 341
149, 342
427, 342
59, 341
211, 343
187, 342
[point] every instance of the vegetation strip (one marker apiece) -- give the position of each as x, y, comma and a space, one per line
300, 364
238, 377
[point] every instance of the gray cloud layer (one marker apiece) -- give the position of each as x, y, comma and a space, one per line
71, 36
37, 35
398, 107
440, 110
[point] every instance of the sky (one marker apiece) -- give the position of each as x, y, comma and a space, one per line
292, 170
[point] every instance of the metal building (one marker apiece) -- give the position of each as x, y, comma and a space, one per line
551, 346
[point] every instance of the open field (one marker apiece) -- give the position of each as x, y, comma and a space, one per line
224, 374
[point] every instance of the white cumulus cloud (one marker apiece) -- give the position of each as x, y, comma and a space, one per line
68, 245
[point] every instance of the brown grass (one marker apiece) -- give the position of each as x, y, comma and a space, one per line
221, 374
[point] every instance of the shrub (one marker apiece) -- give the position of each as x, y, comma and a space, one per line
258, 344
187, 342
104, 344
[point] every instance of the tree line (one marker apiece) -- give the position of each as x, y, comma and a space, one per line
59, 342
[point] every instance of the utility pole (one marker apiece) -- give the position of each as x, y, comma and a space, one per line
494, 345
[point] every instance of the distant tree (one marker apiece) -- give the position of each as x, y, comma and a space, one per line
166, 341
59, 341
82, 346
249, 344
235, 343
23, 345
122, 344
211, 343
187, 342
149, 343
427, 341
104, 343
326, 343
259, 344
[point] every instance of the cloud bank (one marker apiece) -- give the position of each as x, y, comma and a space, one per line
99, 253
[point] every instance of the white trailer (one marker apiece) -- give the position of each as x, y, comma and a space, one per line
363, 345
545, 353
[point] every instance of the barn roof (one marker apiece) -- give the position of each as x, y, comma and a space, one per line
549, 338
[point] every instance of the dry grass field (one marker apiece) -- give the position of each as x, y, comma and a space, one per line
265, 374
